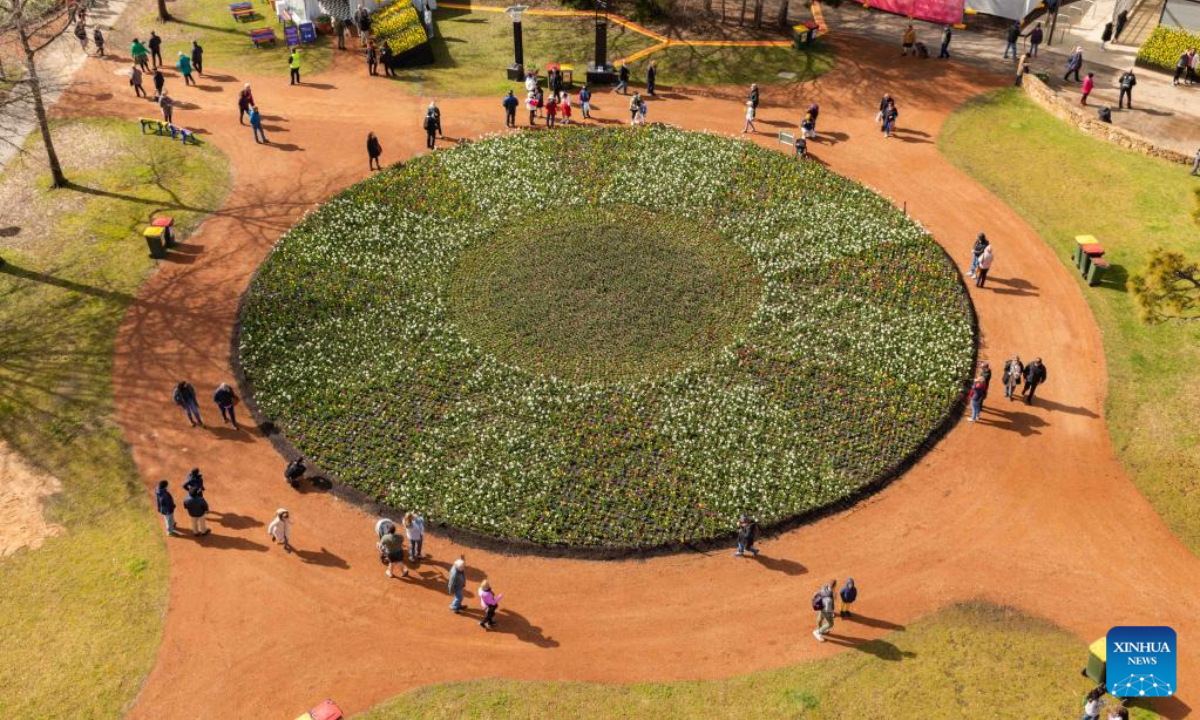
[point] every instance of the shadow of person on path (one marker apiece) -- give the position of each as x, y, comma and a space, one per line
233, 521
1053, 406
1012, 286
323, 557
513, 623
228, 433
230, 542
881, 649
285, 147
1022, 422
787, 567
1168, 707
872, 622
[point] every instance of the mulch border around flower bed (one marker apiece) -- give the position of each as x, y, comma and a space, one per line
327, 482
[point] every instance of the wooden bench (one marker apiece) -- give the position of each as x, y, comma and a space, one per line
153, 123
241, 11
185, 136
263, 36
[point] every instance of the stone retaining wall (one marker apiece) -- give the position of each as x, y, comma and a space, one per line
1086, 120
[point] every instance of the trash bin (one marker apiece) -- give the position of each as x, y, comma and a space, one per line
1096, 664
1099, 266
1090, 253
154, 241
168, 225
804, 34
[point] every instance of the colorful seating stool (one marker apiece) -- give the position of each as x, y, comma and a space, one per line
262, 36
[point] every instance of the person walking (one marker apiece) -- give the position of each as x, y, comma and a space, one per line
1181, 66
585, 102
198, 58
1193, 70
944, 53
976, 396
363, 21
1122, 19
747, 534
1036, 35
1106, 35
1012, 375
1196, 164
749, 126
551, 110
1035, 374
414, 529
256, 126
1010, 39
643, 108
1125, 86
985, 264
1074, 64
159, 83
194, 483
753, 97
391, 551
433, 125
339, 29
814, 110
140, 55
531, 104
294, 66
245, 102
383, 526
98, 41
981, 244
185, 397
457, 583
1089, 83
908, 41
807, 126
489, 601
823, 604
225, 399
81, 36
197, 508
849, 594
623, 80
635, 106
1091, 703
280, 529
651, 78
155, 45
184, 65
374, 150
1022, 69
372, 59
889, 119
165, 505
385, 58
135, 80
510, 103
564, 107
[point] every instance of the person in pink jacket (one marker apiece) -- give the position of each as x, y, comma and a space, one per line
489, 601
1089, 84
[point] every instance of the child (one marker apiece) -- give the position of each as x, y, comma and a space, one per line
808, 126
849, 595
280, 529
749, 127
564, 107
642, 111
489, 601
1088, 84
585, 102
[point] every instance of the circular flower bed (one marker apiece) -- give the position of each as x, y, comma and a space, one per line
607, 339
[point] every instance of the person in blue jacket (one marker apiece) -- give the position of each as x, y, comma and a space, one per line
197, 508
194, 482
510, 103
185, 397
849, 594
166, 506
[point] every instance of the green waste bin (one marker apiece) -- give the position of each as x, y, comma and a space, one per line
1097, 654
154, 241
1096, 269
804, 34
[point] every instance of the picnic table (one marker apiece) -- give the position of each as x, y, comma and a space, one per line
241, 11
262, 36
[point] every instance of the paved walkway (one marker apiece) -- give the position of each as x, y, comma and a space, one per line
1009, 509
57, 66
1168, 115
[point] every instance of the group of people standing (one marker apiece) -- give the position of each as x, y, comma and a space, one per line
147, 58
1015, 372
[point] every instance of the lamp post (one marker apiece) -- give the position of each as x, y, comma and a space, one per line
601, 19
516, 71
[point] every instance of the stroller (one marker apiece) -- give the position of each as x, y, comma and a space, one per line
922, 51
294, 471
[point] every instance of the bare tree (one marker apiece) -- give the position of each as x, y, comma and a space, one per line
742, 17
163, 15
35, 24
758, 12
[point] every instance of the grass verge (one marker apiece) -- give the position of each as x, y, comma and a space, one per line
1043, 169
966, 661
81, 616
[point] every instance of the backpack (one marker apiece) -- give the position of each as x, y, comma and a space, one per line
1105, 114
817, 601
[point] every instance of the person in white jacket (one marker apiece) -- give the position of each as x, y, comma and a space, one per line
414, 528
280, 529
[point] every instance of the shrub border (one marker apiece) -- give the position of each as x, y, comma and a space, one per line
481, 541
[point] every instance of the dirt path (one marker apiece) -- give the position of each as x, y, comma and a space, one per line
1029, 508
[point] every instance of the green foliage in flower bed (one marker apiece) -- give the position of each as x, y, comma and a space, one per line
632, 293
1165, 45
857, 345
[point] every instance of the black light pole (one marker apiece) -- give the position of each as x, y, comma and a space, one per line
601, 35
517, 70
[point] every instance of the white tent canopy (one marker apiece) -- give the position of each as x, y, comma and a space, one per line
1011, 9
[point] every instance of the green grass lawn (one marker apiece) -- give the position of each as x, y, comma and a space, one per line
966, 661
472, 50
1066, 183
81, 616
226, 42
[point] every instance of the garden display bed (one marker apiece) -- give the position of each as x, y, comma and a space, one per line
668, 330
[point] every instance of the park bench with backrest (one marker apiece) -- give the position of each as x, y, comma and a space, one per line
262, 36
241, 11
158, 126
